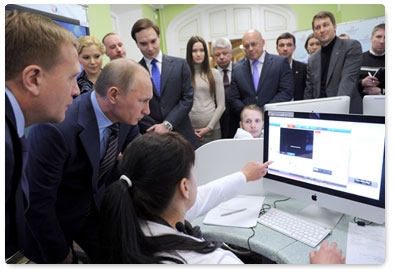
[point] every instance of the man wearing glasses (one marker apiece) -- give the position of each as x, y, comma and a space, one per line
262, 78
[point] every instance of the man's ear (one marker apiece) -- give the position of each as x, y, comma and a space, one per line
113, 94
184, 188
32, 79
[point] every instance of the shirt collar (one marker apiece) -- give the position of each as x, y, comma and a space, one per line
158, 58
102, 120
374, 54
261, 59
19, 117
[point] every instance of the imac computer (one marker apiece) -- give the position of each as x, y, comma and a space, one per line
335, 162
373, 105
340, 105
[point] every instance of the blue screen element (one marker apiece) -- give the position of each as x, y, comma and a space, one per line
77, 30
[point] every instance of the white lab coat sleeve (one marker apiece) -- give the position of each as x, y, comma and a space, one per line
213, 193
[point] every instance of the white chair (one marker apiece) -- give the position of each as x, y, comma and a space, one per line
225, 156
373, 105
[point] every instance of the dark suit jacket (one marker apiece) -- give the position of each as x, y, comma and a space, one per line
175, 101
343, 73
299, 70
63, 169
276, 84
229, 120
14, 197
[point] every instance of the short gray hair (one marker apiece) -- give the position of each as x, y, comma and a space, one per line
221, 42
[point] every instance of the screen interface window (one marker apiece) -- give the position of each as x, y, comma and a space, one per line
340, 155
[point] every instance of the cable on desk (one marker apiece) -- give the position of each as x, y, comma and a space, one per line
248, 240
282, 200
264, 208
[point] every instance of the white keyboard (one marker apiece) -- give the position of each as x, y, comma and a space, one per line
294, 227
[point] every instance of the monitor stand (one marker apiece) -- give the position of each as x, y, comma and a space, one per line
322, 216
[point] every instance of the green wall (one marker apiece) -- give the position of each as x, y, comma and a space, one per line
100, 18
342, 13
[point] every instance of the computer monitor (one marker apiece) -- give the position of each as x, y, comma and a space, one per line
71, 24
340, 104
334, 161
373, 105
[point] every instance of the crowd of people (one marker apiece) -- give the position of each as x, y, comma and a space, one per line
108, 160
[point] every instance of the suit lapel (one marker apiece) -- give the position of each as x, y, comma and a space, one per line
334, 56
89, 135
248, 75
167, 68
267, 64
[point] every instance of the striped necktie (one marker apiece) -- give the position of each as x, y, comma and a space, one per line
109, 158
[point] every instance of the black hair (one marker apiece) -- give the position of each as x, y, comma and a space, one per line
155, 163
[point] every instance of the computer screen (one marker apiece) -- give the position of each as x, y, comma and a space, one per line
339, 104
71, 24
336, 161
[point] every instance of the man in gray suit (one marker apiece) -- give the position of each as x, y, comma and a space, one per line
173, 98
334, 69
274, 79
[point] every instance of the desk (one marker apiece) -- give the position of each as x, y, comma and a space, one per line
272, 244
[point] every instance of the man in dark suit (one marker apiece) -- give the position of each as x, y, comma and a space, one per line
40, 82
222, 53
173, 99
66, 182
273, 81
286, 46
333, 70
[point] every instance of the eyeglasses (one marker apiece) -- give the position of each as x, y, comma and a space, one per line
252, 45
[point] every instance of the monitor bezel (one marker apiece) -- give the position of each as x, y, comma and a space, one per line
380, 203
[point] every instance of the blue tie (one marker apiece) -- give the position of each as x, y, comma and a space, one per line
255, 74
155, 74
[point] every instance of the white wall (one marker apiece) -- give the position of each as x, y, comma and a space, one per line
124, 16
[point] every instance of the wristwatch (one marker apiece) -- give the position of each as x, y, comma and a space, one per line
168, 125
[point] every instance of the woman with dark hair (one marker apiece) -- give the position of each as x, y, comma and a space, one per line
143, 213
209, 96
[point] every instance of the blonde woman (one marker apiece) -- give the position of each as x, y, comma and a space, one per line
90, 55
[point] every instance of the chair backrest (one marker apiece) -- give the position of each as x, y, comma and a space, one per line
373, 105
226, 156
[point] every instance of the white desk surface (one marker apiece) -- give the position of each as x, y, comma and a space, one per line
272, 244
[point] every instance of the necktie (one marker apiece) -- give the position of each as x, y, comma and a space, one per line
109, 158
155, 74
255, 74
226, 82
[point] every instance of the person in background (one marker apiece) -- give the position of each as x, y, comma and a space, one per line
71, 163
41, 67
285, 45
209, 96
334, 69
143, 218
312, 44
344, 36
173, 97
90, 55
115, 48
263, 78
373, 62
251, 122
222, 53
